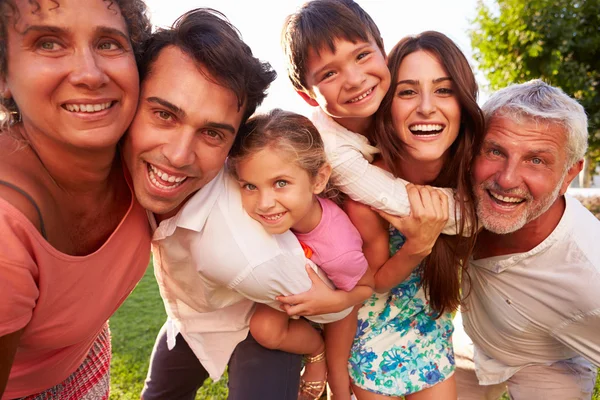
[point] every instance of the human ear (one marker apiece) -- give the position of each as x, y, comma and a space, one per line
307, 98
571, 174
321, 179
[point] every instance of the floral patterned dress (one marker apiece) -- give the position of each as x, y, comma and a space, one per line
400, 348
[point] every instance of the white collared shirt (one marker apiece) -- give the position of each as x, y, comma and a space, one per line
537, 307
212, 262
351, 155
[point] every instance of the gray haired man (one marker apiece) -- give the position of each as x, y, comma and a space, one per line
532, 306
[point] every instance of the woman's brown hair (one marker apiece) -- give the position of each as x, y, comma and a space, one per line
441, 269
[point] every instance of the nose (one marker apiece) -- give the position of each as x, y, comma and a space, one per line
426, 104
266, 200
508, 177
87, 70
354, 76
179, 149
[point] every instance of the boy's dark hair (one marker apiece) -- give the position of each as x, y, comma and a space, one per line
211, 41
319, 23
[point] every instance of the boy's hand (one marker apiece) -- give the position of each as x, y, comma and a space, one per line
428, 216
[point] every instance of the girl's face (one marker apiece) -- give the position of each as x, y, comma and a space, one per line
277, 192
425, 110
72, 72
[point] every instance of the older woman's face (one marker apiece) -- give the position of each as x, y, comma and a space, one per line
72, 72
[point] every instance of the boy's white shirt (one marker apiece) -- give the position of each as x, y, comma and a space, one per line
351, 155
212, 261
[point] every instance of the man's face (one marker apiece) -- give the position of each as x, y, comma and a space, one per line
182, 132
520, 172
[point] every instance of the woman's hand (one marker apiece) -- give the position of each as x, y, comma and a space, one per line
428, 216
319, 299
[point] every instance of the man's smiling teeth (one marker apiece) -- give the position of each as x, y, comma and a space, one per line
160, 178
362, 96
506, 199
427, 129
89, 108
273, 217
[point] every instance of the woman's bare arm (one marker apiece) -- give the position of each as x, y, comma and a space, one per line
8, 349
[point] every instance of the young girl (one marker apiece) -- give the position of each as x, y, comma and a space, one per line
281, 167
428, 129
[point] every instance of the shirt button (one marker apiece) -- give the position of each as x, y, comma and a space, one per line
384, 200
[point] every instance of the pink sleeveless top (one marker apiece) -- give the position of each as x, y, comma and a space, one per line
62, 301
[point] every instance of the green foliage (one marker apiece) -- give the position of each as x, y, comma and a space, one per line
556, 40
134, 327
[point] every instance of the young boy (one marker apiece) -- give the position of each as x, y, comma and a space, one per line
336, 61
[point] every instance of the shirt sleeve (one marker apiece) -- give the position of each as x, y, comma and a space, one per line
350, 156
18, 272
346, 270
580, 334
282, 275
373, 186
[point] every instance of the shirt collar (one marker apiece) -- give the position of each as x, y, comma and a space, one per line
194, 212
501, 263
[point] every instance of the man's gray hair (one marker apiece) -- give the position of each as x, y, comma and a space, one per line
539, 101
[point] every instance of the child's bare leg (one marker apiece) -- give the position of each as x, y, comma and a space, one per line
275, 330
338, 341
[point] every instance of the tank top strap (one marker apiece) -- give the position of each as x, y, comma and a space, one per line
28, 197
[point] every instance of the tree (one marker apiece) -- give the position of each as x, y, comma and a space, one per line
555, 40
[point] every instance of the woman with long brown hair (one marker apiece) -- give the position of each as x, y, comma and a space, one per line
428, 129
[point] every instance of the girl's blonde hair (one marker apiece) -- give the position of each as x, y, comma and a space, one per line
284, 132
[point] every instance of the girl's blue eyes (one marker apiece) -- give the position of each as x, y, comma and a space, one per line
278, 184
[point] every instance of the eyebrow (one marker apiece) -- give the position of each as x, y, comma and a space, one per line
167, 104
217, 125
106, 30
540, 151
182, 114
416, 82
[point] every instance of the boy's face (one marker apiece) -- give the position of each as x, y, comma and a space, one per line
182, 132
348, 83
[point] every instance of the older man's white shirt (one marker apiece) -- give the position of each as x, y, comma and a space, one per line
537, 307
212, 262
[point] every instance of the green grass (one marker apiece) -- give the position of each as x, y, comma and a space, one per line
134, 327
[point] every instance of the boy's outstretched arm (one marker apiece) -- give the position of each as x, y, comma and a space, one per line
350, 154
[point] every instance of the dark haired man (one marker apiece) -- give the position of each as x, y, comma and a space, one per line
200, 83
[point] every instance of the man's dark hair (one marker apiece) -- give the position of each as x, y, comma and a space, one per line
212, 42
318, 24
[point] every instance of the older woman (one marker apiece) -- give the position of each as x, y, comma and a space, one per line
73, 240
